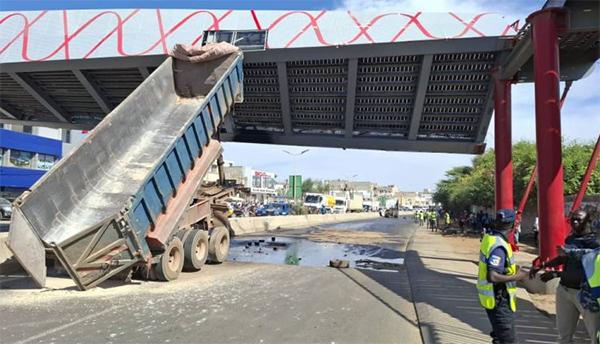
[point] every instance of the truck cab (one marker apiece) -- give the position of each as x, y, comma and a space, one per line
274, 209
341, 206
314, 202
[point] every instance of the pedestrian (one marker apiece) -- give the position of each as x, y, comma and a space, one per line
589, 294
486, 222
432, 221
428, 219
497, 279
568, 307
479, 222
447, 220
421, 218
536, 231
517, 233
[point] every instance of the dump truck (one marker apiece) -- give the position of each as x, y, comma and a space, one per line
130, 195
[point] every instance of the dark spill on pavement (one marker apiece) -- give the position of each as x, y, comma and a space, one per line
296, 251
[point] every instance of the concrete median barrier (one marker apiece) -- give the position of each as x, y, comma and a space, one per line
248, 225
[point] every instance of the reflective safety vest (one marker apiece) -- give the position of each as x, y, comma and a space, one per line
591, 266
432, 216
486, 288
447, 217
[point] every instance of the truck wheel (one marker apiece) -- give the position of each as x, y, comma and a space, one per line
195, 250
223, 220
218, 245
170, 263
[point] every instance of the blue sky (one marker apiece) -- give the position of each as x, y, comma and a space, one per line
410, 171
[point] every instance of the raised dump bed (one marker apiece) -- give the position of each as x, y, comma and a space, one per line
117, 200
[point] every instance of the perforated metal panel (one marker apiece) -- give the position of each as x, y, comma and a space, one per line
261, 109
18, 98
117, 84
317, 93
64, 89
385, 92
456, 97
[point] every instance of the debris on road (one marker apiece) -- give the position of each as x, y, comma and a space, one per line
304, 252
339, 263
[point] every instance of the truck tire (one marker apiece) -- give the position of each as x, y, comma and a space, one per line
223, 220
170, 264
195, 249
218, 245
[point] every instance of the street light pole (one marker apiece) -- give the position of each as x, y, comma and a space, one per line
350, 179
295, 155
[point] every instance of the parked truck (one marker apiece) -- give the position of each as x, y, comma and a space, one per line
130, 195
341, 205
314, 202
355, 203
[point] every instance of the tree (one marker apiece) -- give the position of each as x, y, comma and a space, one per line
307, 185
314, 185
465, 186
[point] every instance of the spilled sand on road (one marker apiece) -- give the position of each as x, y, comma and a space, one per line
24, 292
353, 237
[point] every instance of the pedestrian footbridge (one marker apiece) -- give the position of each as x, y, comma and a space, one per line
416, 90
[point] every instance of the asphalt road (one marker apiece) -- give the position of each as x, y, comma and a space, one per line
230, 303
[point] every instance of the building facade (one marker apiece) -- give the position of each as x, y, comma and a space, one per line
262, 184
366, 189
27, 152
24, 158
213, 173
415, 198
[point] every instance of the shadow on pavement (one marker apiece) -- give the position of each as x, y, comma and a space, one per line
449, 311
390, 288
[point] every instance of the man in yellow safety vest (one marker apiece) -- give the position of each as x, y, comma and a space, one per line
497, 279
433, 220
447, 220
591, 266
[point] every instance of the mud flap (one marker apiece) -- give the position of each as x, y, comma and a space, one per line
27, 248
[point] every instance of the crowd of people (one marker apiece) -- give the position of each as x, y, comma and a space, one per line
443, 219
243, 208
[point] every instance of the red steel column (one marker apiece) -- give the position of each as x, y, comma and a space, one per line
503, 142
548, 136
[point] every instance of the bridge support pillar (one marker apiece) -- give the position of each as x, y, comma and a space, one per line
545, 26
503, 142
